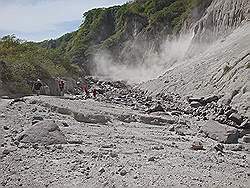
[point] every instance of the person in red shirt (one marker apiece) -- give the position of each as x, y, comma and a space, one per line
85, 89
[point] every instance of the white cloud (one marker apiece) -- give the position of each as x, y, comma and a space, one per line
44, 15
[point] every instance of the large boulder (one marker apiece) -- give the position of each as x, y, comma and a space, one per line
44, 132
92, 118
220, 132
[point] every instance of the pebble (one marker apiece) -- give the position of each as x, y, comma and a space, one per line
123, 172
151, 158
101, 170
5, 127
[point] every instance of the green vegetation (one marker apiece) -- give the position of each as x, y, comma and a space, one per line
102, 28
109, 27
23, 62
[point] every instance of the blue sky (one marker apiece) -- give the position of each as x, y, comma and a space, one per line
37, 20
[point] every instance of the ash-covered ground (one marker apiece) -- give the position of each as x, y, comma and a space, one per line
122, 138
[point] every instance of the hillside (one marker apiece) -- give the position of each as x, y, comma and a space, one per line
137, 41
115, 28
222, 38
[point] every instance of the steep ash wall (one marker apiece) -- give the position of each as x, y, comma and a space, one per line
222, 37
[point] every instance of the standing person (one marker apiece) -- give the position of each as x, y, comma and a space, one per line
61, 87
94, 92
37, 87
85, 89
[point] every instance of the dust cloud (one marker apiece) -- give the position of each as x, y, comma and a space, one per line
153, 64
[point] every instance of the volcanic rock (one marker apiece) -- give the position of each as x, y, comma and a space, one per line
220, 132
44, 132
235, 117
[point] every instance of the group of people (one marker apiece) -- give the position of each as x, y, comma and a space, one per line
37, 87
84, 88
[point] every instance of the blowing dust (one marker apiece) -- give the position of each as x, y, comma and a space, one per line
151, 66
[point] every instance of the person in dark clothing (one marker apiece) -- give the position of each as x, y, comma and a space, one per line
61, 87
37, 87
94, 92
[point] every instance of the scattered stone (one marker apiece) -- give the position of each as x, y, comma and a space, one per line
197, 146
6, 152
156, 108
135, 177
64, 111
220, 132
219, 147
5, 127
113, 155
108, 146
151, 159
34, 109
210, 99
196, 99
245, 124
65, 124
235, 117
80, 151
17, 100
91, 118
123, 172
34, 122
172, 128
2, 115
35, 146
44, 132
234, 147
37, 118
195, 104
157, 148
101, 170
246, 138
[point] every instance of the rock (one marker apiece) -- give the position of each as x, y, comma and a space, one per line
157, 120
6, 152
44, 132
151, 159
229, 112
243, 132
156, 108
171, 128
135, 177
219, 147
91, 118
210, 99
235, 117
246, 138
235, 147
195, 99
17, 100
37, 118
34, 122
113, 155
126, 118
245, 124
123, 172
2, 115
197, 146
65, 124
5, 127
101, 170
195, 104
64, 111
220, 132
